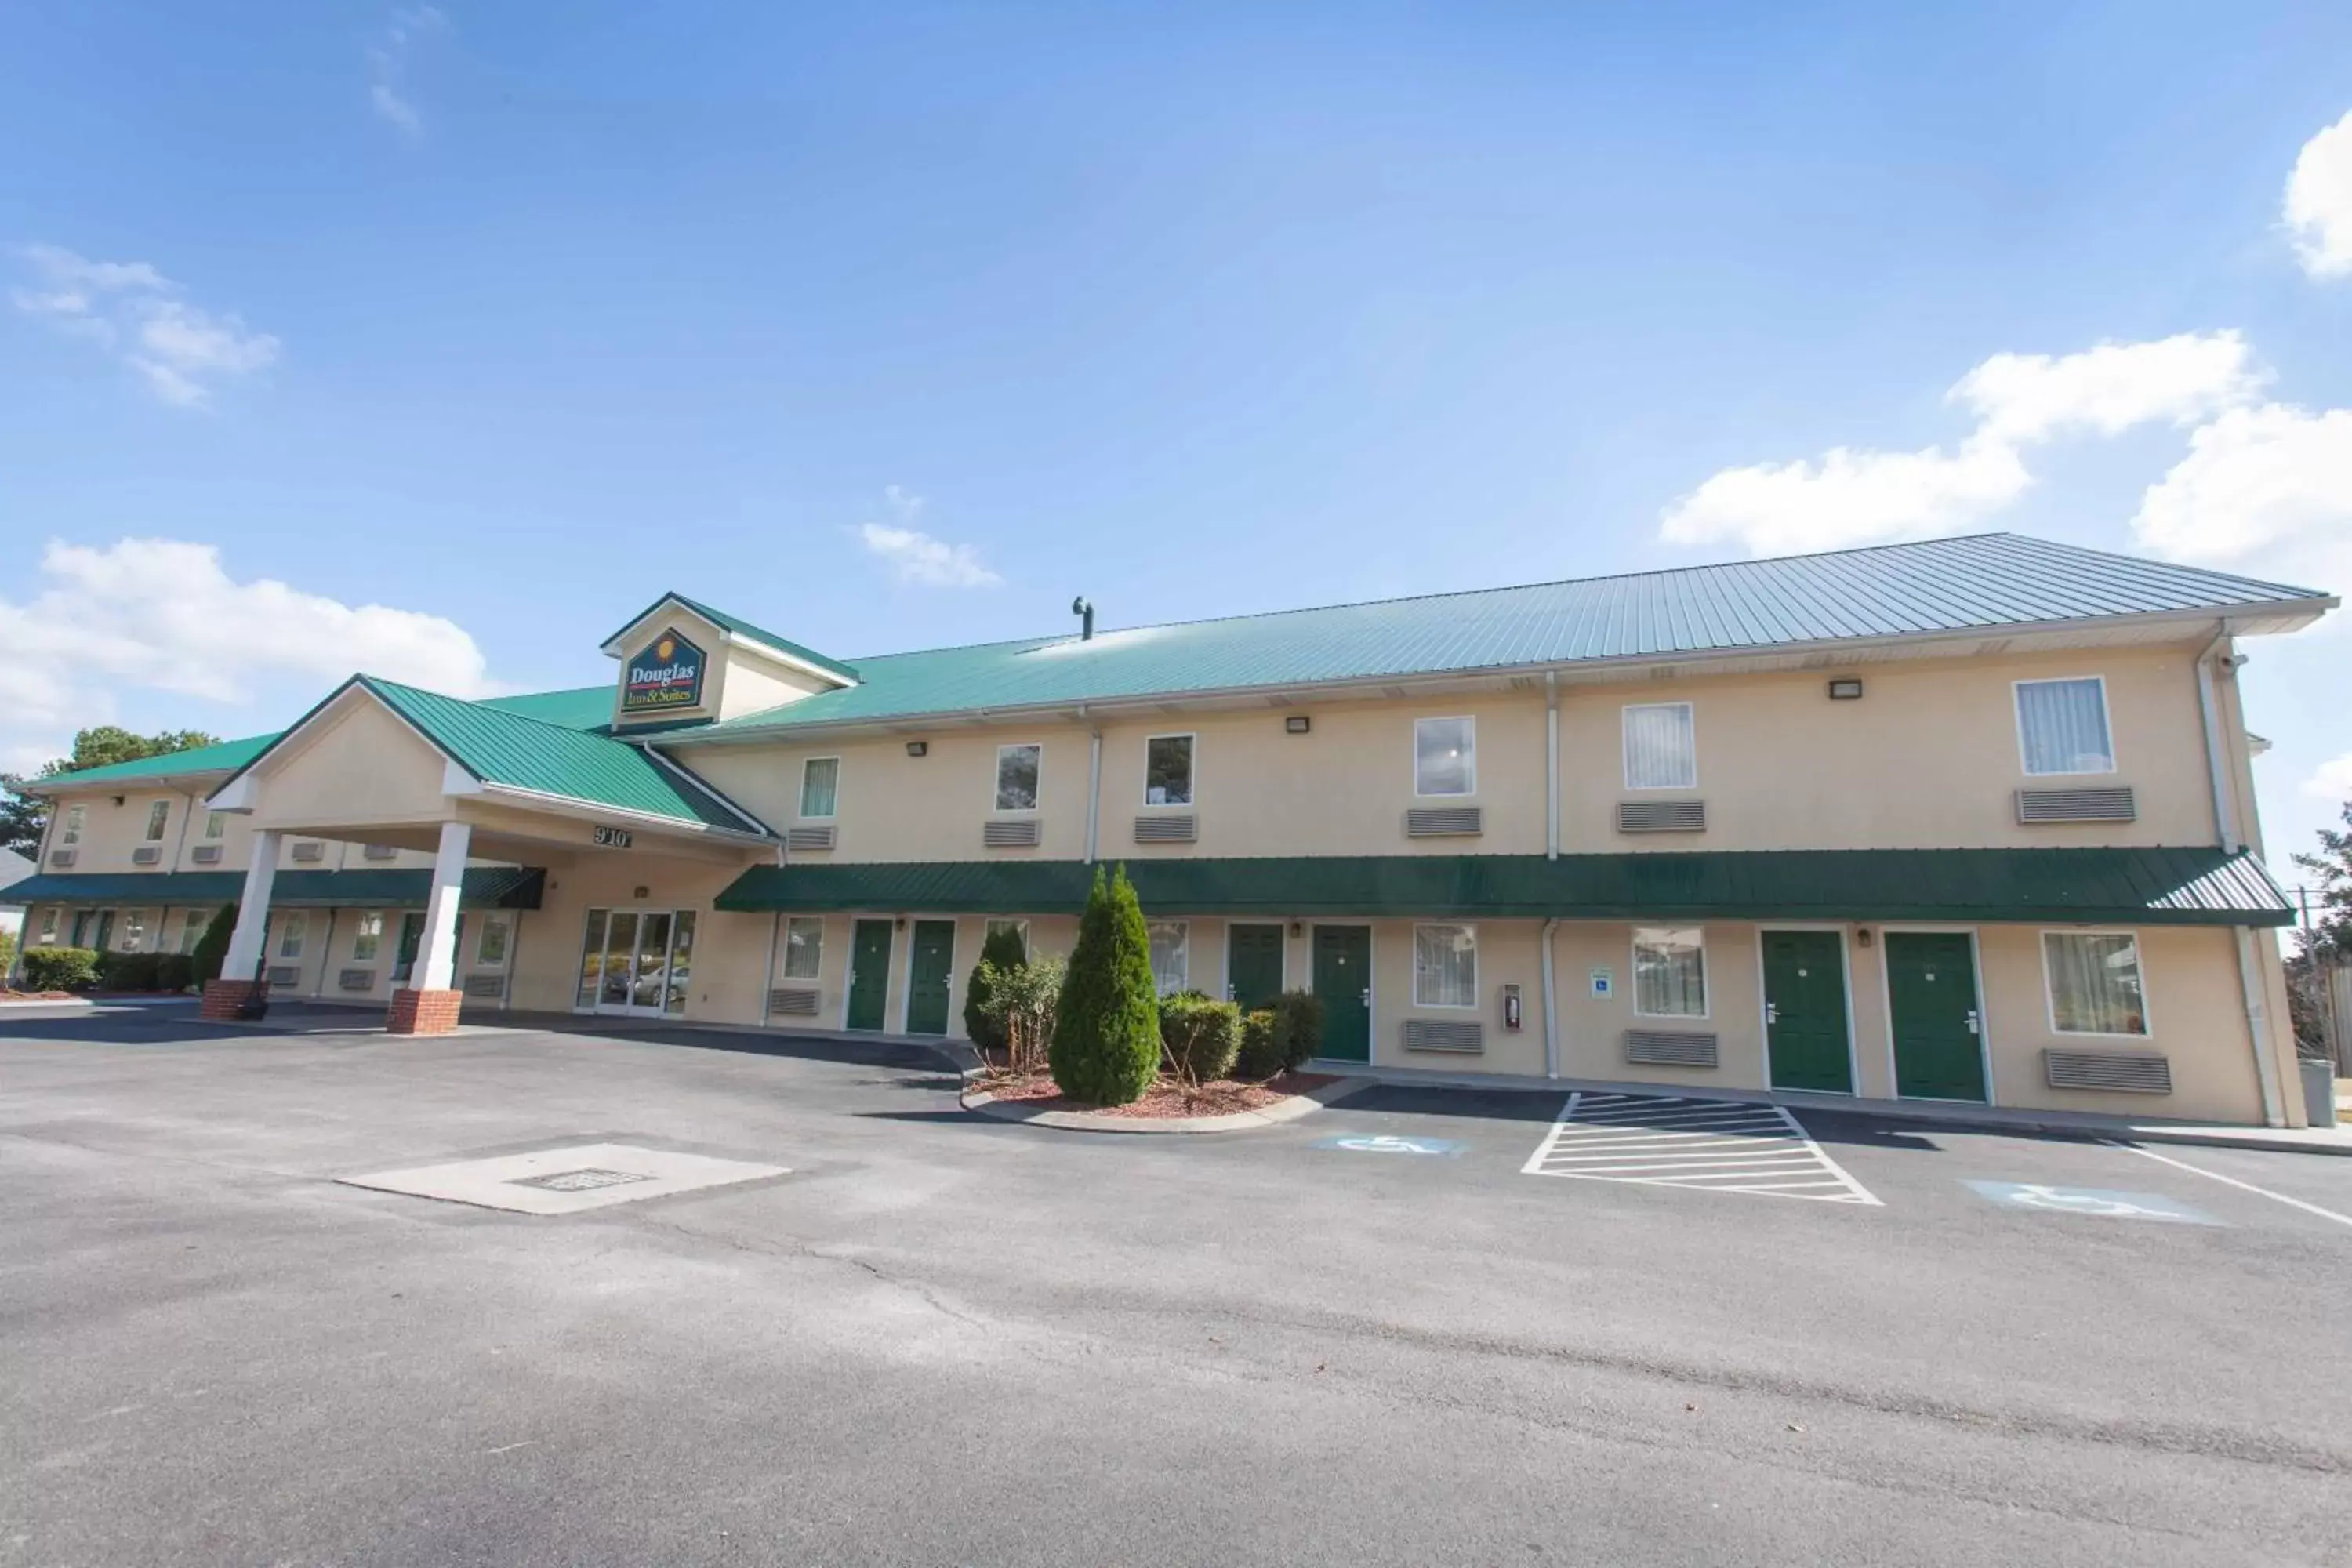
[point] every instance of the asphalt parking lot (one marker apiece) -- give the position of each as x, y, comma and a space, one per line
910, 1336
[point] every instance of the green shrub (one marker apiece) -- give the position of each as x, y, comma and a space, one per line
1298, 1025
1020, 1005
1105, 1048
212, 948
1261, 1055
174, 971
1003, 953
1202, 1034
127, 970
59, 969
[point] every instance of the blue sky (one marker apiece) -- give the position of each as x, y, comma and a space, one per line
508, 316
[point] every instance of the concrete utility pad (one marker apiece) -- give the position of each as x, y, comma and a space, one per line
566, 1181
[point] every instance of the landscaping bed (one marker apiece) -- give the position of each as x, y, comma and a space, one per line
1170, 1098
8, 996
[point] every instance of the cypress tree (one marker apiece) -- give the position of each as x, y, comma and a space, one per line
212, 948
1106, 1046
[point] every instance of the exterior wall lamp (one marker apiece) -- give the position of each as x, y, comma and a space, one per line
919, 748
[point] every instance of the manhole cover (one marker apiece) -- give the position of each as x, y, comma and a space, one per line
579, 1181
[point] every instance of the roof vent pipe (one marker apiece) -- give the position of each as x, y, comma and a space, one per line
1086, 613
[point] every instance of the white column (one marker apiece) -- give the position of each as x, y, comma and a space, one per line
243, 959
437, 955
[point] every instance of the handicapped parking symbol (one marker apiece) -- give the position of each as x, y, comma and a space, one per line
1387, 1143
2096, 1201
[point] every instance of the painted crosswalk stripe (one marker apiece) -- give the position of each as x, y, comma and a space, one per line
1711, 1145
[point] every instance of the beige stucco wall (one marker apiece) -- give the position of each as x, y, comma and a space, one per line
359, 764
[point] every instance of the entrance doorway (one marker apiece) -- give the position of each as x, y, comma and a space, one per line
1343, 979
1938, 1020
869, 975
930, 959
636, 964
1804, 1010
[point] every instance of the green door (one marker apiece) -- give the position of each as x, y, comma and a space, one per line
869, 973
1804, 1010
1253, 965
928, 962
1343, 978
1931, 983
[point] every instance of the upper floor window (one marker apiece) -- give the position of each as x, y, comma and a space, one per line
1661, 746
1444, 966
2061, 726
75, 817
2094, 980
1669, 972
1016, 776
804, 947
1445, 756
158, 816
215, 824
1171, 961
820, 784
1167, 770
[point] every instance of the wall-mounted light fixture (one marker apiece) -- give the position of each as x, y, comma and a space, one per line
1296, 929
898, 924
1297, 723
919, 748
642, 894
1861, 935
1845, 689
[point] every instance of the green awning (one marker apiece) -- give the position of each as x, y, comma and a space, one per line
486, 887
2134, 886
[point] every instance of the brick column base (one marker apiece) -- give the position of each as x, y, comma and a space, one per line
224, 997
423, 1012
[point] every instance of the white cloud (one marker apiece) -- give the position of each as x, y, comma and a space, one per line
2111, 387
129, 309
1853, 496
388, 58
916, 556
2319, 202
2331, 781
2265, 489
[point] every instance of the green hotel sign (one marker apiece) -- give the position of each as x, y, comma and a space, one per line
663, 675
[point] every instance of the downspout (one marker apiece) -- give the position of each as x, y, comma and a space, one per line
180, 845
2250, 982
1094, 787
768, 992
1551, 852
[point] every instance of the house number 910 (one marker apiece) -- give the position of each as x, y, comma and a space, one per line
612, 838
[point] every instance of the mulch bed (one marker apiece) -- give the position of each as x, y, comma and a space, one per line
8, 996
1166, 1099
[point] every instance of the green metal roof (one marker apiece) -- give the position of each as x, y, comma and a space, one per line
2135, 886
742, 628
574, 707
1983, 580
492, 886
499, 747
223, 757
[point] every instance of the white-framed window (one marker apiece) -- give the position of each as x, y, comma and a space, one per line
159, 818
490, 948
1661, 746
2094, 983
1020, 928
49, 927
367, 938
1445, 756
820, 786
1444, 966
2061, 726
1171, 963
290, 935
804, 947
191, 928
1167, 770
134, 931
75, 817
1669, 972
215, 826
1017, 770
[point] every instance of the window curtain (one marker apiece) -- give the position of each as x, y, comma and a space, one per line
1444, 756
820, 782
2094, 985
1661, 751
1168, 955
804, 947
1670, 973
2063, 724
1444, 966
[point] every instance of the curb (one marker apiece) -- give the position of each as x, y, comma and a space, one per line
980, 1102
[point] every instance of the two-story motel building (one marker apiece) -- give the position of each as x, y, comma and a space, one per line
1966, 820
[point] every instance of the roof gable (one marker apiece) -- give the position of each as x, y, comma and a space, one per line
793, 651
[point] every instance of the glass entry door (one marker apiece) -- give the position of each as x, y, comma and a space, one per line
636, 962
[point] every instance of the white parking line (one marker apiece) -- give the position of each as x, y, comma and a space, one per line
2232, 1180
1714, 1145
